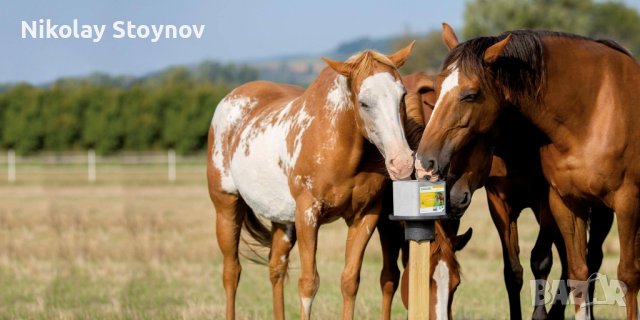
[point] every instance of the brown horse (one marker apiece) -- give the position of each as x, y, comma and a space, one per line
302, 158
514, 182
580, 93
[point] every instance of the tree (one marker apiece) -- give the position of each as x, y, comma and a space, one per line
22, 127
612, 20
615, 21
427, 54
584, 17
103, 123
61, 116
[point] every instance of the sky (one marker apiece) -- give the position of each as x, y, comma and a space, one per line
235, 31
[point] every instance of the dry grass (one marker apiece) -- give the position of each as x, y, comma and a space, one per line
140, 248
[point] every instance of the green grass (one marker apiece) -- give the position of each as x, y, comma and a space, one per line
137, 247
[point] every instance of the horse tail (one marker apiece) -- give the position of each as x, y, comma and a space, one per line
261, 236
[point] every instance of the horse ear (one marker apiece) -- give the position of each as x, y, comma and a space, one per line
492, 53
449, 36
339, 67
462, 240
402, 55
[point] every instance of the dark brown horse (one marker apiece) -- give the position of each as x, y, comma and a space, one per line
515, 182
580, 93
302, 158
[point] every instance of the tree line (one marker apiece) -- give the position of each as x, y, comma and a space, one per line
172, 109
602, 19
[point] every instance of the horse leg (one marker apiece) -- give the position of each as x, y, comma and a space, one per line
542, 260
541, 255
628, 214
230, 212
507, 228
361, 227
283, 239
572, 225
560, 299
391, 243
307, 214
600, 223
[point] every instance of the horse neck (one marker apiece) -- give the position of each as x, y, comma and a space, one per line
328, 100
414, 121
565, 111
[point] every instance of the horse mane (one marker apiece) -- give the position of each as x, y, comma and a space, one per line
520, 69
363, 63
616, 46
443, 248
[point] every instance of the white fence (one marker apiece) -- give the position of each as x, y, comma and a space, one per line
98, 167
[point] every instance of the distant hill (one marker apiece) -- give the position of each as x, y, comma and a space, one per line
302, 69
298, 69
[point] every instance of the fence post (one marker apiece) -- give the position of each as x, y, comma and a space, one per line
171, 155
91, 159
11, 165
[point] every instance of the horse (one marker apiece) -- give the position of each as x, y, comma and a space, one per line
302, 158
516, 182
589, 157
513, 183
445, 269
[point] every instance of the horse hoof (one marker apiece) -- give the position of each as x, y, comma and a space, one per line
539, 313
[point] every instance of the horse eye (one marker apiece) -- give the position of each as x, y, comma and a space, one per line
469, 97
364, 105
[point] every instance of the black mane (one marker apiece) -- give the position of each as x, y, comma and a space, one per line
521, 67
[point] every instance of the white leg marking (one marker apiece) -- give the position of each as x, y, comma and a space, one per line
582, 312
441, 277
306, 304
310, 216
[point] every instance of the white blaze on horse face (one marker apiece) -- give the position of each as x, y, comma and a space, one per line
449, 83
441, 277
380, 96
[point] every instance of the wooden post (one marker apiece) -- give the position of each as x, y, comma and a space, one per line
171, 155
419, 279
11, 165
91, 165
419, 204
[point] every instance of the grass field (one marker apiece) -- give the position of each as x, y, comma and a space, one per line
134, 246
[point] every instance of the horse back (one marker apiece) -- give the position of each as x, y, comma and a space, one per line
267, 92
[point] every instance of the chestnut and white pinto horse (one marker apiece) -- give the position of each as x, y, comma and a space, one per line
302, 158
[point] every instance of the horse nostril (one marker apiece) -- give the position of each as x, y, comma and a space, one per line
431, 165
465, 198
